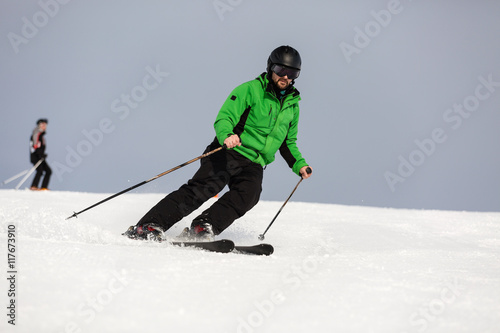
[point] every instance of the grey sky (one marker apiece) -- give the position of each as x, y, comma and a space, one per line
400, 99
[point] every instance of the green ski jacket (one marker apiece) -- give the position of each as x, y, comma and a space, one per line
263, 122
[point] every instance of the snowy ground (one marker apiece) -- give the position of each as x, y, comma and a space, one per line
335, 269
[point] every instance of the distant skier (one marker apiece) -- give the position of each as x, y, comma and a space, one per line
37, 150
258, 118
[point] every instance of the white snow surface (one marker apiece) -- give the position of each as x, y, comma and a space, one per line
335, 269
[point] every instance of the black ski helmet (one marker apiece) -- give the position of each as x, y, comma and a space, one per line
42, 120
284, 55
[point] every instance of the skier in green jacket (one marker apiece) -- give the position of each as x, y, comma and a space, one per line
258, 119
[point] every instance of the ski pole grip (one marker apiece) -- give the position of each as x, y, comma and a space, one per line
309, 170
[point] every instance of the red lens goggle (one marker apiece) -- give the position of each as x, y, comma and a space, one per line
280, 70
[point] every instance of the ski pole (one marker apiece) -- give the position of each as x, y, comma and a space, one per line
29, 173
261, 236
147, 181
22, 173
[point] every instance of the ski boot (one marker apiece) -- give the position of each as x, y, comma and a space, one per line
147, 231
198, 233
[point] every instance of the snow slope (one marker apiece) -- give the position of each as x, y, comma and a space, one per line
335, 269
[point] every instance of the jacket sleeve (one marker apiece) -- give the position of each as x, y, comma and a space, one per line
36, 143
289, 149
230, 113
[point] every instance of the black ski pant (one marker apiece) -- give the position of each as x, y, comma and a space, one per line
225, 167
43, 168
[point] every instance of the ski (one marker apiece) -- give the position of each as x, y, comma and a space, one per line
226, 246
221, 246
260, 249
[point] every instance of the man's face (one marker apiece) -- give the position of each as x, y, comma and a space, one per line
282, 82
43, 126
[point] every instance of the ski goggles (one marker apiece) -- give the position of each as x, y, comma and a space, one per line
281, 71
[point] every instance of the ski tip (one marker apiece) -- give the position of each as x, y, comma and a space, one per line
260, 249
267, 248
